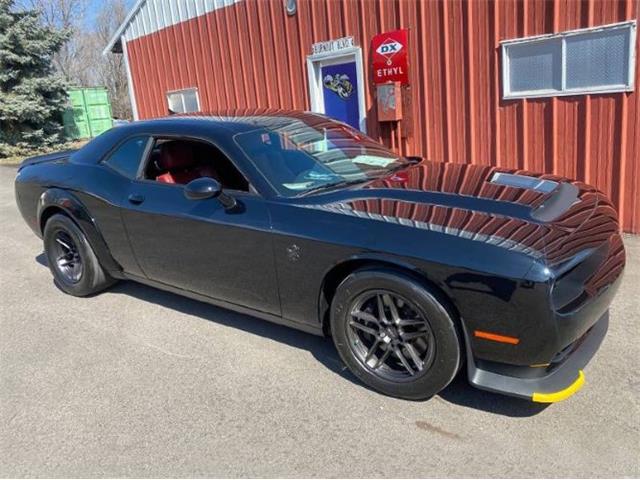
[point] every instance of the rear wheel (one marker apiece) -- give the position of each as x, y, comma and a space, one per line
71, 259
394, 334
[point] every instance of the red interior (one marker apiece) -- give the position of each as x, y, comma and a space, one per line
179, 164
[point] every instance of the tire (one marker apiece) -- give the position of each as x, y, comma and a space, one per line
71, 259
435, 341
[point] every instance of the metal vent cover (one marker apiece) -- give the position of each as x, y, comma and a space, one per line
523, 181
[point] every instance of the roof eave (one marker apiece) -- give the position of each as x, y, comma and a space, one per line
115, 47
115, 44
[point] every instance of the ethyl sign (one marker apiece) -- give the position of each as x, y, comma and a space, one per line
391, 57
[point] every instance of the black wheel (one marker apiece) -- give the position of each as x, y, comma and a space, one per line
394, 334
72, 262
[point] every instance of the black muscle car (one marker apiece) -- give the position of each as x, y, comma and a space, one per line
414, 268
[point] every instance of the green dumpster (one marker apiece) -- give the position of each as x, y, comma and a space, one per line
89, 113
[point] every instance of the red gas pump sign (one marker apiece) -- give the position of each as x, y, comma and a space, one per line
391, 57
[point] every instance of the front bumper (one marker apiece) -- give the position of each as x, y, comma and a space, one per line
535, 383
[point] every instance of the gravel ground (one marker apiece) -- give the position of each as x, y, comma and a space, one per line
138, 382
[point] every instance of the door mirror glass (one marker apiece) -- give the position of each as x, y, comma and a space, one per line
202, 188
207, 187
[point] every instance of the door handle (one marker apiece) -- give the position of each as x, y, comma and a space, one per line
136, 199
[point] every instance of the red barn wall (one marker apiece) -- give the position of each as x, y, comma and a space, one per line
252, 54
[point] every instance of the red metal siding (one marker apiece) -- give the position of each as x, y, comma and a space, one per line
253, 54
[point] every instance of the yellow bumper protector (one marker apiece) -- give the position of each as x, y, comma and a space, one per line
562, 394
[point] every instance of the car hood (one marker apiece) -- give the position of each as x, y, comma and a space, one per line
545, 216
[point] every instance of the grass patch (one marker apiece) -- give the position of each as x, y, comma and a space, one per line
11, 160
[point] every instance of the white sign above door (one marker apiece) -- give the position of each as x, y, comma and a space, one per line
332, 45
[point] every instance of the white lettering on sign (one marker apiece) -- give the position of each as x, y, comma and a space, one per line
389, 48
385, 72
332, 45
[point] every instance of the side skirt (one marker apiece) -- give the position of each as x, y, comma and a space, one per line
315, 330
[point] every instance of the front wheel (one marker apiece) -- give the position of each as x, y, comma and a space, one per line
394, 334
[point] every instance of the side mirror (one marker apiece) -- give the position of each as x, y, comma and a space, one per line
207, 187
202, 188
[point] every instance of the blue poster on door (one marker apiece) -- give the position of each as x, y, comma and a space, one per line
340, 92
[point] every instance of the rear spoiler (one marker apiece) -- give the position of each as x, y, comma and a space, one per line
50, 157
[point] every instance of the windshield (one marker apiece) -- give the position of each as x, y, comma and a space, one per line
298, 159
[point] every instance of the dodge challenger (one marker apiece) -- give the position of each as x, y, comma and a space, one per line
415, 269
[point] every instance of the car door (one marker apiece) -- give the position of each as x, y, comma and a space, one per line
109, 187
201, 247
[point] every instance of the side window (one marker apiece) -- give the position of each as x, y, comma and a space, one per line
180, 161
126, 158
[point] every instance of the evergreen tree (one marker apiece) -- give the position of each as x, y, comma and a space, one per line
32, 95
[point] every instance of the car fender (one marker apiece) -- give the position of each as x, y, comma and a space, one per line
66, 201
361, 260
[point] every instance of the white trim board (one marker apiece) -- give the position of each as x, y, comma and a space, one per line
317, 61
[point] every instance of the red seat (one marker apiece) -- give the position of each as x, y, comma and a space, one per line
180, 165
181, 178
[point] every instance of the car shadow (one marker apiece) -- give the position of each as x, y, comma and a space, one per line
321, 348
459, 392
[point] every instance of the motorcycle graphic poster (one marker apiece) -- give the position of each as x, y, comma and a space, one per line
340, 92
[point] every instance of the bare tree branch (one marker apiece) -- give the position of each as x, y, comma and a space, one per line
80, 60
65, 15
110, 70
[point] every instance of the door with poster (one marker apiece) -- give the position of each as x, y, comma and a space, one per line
336, 81
340, 92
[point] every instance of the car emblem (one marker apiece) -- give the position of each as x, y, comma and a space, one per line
388, 49
293, 252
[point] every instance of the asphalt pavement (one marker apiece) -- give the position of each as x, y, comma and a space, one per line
139, 382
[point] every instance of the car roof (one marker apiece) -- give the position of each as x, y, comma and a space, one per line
231, 121
239, 120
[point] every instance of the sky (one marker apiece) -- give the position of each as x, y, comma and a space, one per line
92, 10
90, 14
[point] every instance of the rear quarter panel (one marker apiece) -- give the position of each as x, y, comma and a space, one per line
98, 190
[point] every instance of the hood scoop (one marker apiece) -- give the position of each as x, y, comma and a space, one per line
561, 195
523, 181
